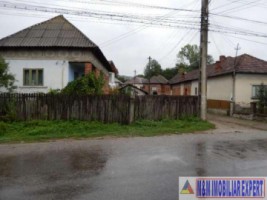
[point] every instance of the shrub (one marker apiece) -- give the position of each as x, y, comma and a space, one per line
89, 84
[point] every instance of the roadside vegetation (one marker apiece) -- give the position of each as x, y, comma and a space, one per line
47, 130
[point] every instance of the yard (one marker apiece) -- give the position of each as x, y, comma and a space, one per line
30, 131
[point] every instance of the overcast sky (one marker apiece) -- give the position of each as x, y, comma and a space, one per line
141, 41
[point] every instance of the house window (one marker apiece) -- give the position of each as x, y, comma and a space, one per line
256, 90
33, 77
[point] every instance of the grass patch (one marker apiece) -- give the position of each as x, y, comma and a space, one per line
45, 130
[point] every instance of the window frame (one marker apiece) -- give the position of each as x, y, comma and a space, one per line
30, 77
255, 96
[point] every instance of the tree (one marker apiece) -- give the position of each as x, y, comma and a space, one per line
169, 73
7, 79
88, 84
262, 97
152, 69
189, 56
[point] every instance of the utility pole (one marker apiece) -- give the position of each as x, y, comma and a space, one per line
204, 54
149, 89
134, 76
232, 109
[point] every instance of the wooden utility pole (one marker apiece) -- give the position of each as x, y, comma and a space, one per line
134, 76
204, 55
149, 89
232, 109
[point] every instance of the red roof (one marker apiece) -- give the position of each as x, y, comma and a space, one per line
241, 64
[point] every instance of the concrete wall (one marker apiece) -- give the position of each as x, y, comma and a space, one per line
55, 74
220, 88
244, 83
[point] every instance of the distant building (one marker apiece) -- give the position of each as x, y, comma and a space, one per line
158, 85
132, 90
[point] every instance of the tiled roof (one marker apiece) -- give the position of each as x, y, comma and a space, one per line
137, 80
159, 80
243, 64
134, 87
56, 32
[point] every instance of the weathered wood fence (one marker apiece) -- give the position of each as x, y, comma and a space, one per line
104, 108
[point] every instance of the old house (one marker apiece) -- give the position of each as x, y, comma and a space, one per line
132, 90
50, 54
157, 85
136, 81
233, 80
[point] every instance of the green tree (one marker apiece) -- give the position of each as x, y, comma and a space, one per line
189, 56
7, 79
88, 84
262, 97
152, 69
168, 73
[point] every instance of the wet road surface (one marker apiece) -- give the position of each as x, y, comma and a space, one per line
128, 168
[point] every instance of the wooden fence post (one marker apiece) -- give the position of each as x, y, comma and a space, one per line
253, 108
131, 110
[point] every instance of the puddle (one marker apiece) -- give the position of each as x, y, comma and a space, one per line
53, 172
252, 149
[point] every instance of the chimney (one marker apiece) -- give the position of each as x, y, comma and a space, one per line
218, 66
183, 75
222, 58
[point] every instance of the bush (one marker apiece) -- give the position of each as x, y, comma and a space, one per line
3, 128
9, 111
89, 84
262, 96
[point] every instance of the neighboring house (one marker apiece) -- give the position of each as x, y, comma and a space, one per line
137, 81
114, 82
132, 90
118, 83
50, 54
231, 79
159, 85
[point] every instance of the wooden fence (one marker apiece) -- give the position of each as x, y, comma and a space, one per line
218, 104
164, 107
105, 108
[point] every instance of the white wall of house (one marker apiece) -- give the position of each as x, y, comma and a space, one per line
194, 88
244, 83
57, 70
55, 74
220, 88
